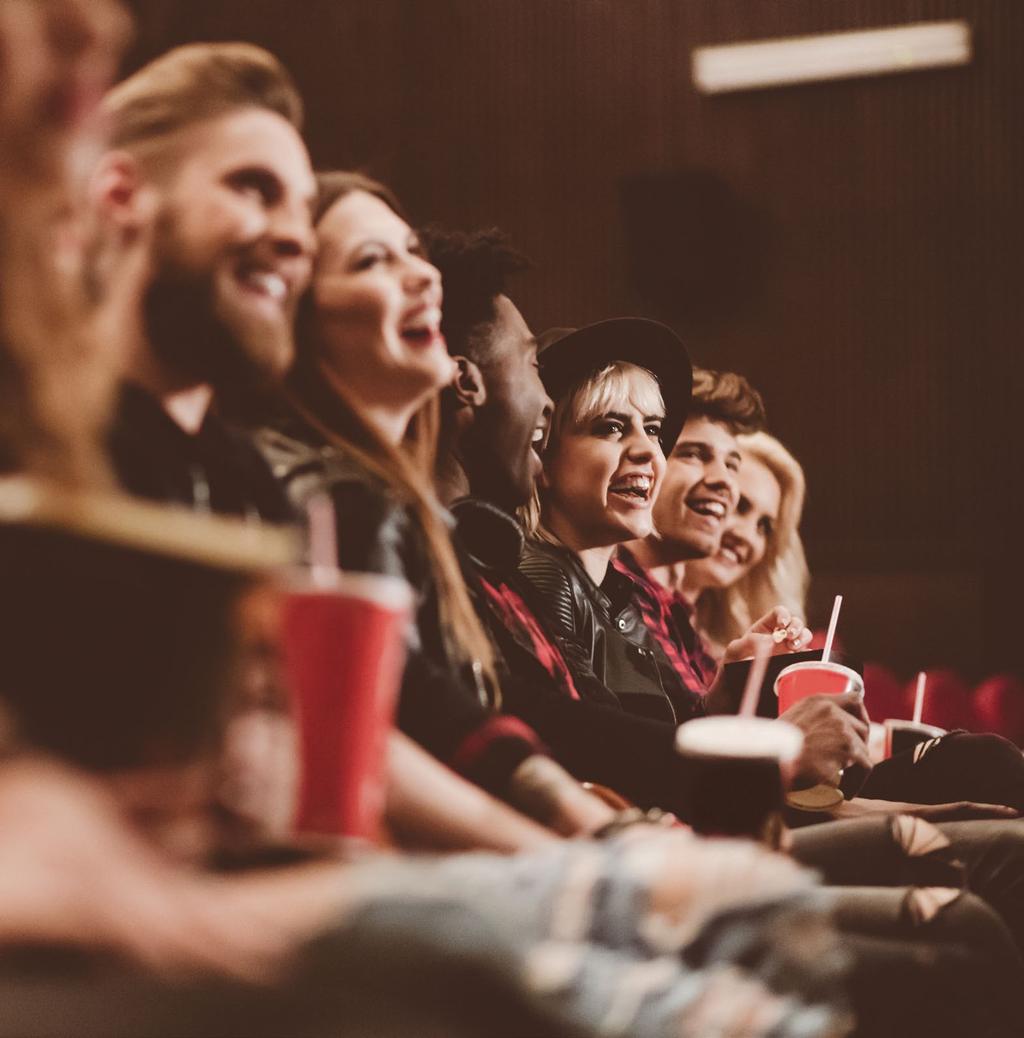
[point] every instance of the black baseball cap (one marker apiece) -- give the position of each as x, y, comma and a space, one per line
568, 356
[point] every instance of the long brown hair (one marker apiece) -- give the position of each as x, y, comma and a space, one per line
406, 470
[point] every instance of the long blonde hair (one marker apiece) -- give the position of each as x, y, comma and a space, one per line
782, 576
407, 471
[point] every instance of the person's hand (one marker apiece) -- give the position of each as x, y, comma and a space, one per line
544, 791
957, 811
778, 629
835, 735
73, 873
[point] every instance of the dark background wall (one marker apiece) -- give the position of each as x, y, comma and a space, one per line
851, 247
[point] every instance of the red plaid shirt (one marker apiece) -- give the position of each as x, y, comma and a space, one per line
670, 619
516, 616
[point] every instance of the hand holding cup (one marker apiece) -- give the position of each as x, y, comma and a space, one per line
835, 736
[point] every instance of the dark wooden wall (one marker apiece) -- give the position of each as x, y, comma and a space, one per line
852, 247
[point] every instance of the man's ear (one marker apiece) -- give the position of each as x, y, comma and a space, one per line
118, 194
469, 384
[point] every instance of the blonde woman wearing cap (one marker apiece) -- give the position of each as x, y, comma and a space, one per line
620, 390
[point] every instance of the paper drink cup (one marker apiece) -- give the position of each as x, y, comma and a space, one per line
736, 771
815, 677
343, 649
902, 735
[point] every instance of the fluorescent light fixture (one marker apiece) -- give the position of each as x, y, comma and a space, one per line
838, 55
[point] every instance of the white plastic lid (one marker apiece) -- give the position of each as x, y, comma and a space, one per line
749, 737
387, 592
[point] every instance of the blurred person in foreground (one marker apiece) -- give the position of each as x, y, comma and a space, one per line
72, 872
61, 347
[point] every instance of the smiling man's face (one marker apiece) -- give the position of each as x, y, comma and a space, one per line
699, 489
233, 248
500, 452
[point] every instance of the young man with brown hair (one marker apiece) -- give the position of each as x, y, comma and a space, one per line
208, 137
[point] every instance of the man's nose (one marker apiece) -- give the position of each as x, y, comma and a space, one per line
719, 477
291, 232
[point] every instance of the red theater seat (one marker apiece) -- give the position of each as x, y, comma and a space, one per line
948, 703
999, 707
884, 695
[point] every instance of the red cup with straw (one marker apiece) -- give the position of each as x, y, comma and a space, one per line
812, 678
902, 735
818, 677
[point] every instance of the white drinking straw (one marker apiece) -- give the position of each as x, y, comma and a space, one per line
919, 697
323, 539
755, 677
827, 651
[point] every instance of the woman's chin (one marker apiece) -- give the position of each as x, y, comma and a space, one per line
430, 372
635, 530
721, 576
413, 380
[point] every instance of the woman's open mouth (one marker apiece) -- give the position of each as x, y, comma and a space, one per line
540, 434
423, 328
634, 490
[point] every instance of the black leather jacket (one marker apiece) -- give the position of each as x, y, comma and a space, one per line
600, 631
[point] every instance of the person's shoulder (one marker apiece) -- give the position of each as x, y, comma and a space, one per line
306, 467
552, 577
491, 537
284, 452
546, 561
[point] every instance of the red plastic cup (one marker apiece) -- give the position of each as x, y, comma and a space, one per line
343, 648
812, 678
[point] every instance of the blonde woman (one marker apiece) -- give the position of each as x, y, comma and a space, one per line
760, 562
620, 389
